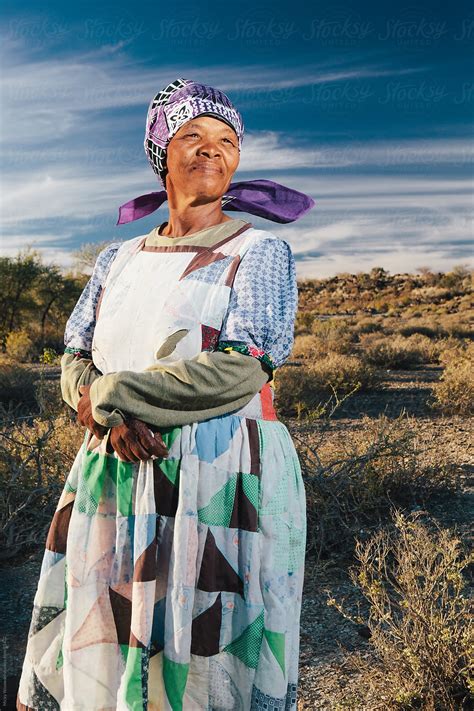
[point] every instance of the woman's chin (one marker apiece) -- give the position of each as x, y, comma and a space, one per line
207, 186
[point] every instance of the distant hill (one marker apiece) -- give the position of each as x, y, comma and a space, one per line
379, 292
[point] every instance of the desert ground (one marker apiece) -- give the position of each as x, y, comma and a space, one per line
378, 396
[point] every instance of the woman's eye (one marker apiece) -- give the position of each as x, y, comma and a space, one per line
228, 139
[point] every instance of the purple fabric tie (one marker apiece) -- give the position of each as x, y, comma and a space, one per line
263, 198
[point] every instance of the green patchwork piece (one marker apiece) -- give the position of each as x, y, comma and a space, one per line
124, 649
90, 484
175, 677
60, 660
122, 475
276, 642
297, 548
281, 547
247, 646
279, 502
68, 488
97, 468
169, 434
170, 468
250, 485
218, 511
133, 678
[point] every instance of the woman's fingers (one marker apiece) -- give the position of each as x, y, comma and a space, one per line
95, 428
117, 444
133, 441
137, 449
154, 445
160, 448
123, 451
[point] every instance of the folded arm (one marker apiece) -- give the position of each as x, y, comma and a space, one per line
208, 385
256, 337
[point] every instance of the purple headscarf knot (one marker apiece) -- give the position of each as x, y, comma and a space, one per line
179, 102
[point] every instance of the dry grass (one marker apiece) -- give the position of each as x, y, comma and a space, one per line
352, 482
419, 620
35, 458
314, 389
399, 352
454, 392
19, 346
18, 393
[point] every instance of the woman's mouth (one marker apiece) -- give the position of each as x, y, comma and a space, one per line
206, 168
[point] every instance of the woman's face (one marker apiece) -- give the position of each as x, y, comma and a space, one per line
202, 158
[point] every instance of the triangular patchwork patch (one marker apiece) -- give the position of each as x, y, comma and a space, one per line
247, 646
175, 677
244, 512
206, 630
276, 642
165, 490
216, 572
218, 511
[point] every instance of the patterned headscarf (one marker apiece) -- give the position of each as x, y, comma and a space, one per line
181, 101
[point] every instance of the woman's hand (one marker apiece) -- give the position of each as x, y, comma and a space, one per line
134, 442
84, 413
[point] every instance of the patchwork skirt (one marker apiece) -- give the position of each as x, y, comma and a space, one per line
173, 583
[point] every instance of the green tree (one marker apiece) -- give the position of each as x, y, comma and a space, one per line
17, 277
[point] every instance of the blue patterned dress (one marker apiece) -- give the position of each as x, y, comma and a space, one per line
176, 583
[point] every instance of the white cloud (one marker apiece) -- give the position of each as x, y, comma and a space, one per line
378, 203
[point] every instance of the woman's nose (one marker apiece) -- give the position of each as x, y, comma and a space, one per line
209, 149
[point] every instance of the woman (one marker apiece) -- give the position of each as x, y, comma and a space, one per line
173, 567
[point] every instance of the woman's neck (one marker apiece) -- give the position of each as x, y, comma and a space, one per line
186, 219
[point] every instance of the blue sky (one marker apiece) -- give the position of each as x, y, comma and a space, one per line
367, 107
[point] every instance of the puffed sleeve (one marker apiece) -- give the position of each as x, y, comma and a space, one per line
77, 367
81, 323
263, 304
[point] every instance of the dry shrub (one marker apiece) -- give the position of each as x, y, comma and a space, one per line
443, 326
354, 480
307, 347
312, 389
412, 578
334, 334
344, 373
34, 461
431, 294
330, 328
454, 391
19, 346
425, 327
297, 391
368, 325
303, 321
17, 389
458, 326
398, 352
428, 349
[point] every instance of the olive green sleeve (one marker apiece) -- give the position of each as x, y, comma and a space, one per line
208, 385
76, 371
